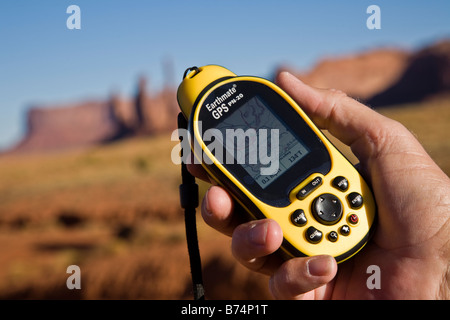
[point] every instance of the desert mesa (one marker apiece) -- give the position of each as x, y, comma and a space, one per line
379, 77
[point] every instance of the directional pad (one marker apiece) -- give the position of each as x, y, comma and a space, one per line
327, 209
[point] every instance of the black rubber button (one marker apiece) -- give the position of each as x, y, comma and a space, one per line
298, 218
355, 200
345, 230
327, 209
340, 183
333, 236
353, 219
313, 235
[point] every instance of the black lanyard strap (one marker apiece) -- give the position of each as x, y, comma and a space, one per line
189, 202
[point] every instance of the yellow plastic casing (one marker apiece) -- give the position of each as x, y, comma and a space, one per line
193, 91
195, 82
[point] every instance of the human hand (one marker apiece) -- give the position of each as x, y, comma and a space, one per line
411, 243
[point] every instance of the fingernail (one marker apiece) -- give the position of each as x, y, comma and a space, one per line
291, 75
258, 233
320, 266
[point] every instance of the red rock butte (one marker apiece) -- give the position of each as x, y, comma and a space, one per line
378, 77
61, 127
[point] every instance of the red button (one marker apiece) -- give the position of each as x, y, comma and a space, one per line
353, 219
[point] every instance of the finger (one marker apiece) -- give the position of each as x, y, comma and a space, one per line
197, 170
218, 210
330, 109
298, 277
254, 242
348, 120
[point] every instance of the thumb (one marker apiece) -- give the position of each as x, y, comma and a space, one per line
298, 278
345, 118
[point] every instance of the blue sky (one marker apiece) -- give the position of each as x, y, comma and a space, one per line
43, 62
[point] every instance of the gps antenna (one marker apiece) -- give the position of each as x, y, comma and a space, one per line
189, 202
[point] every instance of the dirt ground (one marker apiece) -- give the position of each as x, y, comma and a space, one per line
113, 210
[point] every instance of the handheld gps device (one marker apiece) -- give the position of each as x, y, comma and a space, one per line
256, 142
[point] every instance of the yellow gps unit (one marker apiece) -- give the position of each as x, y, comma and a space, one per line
256, 142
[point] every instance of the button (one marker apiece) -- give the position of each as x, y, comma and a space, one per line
345, 230
340, 183
333, 236
306, 190
298, 218
355, 200
353, 219
313, 235
327, 209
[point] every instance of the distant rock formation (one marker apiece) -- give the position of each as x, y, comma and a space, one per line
378, 77
95, 122
359, 75
427, 74
385, 76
